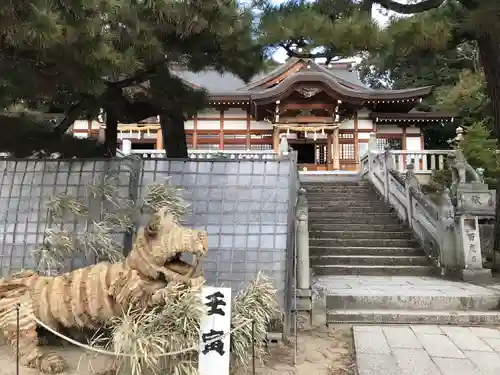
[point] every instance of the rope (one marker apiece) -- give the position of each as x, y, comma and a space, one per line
107, 352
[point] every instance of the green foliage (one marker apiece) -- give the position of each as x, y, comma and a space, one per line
79, 56
338, 27
438, 182
26, 137
468, 97
480, 151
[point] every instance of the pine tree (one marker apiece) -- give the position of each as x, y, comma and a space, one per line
480, 151
82, 56
476, 21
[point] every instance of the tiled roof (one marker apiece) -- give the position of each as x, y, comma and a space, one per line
340, 75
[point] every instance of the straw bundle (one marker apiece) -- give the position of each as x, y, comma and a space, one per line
150, 333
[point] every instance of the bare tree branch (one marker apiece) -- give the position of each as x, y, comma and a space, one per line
397, 7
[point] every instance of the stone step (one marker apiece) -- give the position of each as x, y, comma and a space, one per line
360, 234
340, 192
384, 219
350, 242
342, 226
352, 215
422, 301
339, 201
344, 201
326, 270
344, 250
369, 260
336, 183
386, 316
345, 208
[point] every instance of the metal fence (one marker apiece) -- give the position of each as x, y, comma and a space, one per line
245, 205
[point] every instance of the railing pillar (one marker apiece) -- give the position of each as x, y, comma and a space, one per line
386, 157
304, 292
372, 148
446, 231
303, 269
409, 199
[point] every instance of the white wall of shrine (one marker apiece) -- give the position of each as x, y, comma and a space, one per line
235, 119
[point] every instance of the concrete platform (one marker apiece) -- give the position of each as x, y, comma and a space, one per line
407, 299
427, 350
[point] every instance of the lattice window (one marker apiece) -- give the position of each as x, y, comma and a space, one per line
395, 143
346, 135
321, 157
207, 146
208, 136
235, 136
260, 136
235, 146
347, 151
261, 147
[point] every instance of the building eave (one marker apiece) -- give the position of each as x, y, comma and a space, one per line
358, 94
413, 117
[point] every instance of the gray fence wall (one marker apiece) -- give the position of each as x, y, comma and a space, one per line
246, 207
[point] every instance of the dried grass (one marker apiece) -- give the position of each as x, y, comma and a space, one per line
148, 334
160, 195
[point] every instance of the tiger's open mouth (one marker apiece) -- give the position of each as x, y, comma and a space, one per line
175, 264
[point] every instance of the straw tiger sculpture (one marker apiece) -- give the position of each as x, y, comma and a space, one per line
90, 296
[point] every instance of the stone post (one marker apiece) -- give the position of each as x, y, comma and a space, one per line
372, 148
473, 200
386, 158
126, 147
472, 259
304, 293
447, 232
409, 203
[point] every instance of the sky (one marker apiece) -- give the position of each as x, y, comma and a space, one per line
381, 16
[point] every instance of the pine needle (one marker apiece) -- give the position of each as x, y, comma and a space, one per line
160, 195
65, 204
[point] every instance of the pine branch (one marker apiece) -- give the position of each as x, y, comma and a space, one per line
410, 8
329, 55
72, 114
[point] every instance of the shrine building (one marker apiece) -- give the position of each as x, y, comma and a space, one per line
325, 112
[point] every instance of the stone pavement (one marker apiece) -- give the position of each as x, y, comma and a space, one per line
399, 285
426, 350
407, 300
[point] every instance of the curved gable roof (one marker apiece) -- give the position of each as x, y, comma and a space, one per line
331, 82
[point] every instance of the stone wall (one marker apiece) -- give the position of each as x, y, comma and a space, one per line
246, 207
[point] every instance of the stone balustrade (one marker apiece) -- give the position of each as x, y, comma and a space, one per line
203, 154
423, 161
447, 227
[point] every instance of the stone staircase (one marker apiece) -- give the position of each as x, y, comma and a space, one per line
372, 270
352, 232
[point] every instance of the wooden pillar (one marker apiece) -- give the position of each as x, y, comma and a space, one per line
195, 132
336, 149
356, 145
248, 136
329, 154
159, 140
276, 139
403, 146
221, 132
